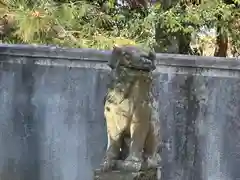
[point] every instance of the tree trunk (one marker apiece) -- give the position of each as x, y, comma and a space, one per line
137, 3
165, 42
221, 43
184, 44
172, 43
221, 40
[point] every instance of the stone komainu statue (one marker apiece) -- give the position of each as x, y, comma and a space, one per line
127, 110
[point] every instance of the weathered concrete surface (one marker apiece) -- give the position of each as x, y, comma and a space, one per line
124, 175
52, 125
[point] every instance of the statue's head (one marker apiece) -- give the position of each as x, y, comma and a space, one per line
133, 57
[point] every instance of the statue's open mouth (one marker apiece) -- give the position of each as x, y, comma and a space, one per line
140, 69
147, 69
145, 65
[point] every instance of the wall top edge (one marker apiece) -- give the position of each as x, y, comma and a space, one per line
101, 56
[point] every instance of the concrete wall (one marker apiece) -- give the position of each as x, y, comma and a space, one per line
52, 125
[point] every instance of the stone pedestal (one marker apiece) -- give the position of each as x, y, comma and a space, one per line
126, 175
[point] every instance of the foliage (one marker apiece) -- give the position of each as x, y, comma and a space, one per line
191, 19
74, 24
100, 24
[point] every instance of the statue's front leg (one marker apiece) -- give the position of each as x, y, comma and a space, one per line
112, 154
139, 128
116, 124
138, 137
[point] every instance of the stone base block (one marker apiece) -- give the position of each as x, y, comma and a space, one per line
125, 175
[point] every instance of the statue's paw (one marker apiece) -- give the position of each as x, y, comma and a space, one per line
134, 164
154, 162
107, 165
134, 159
